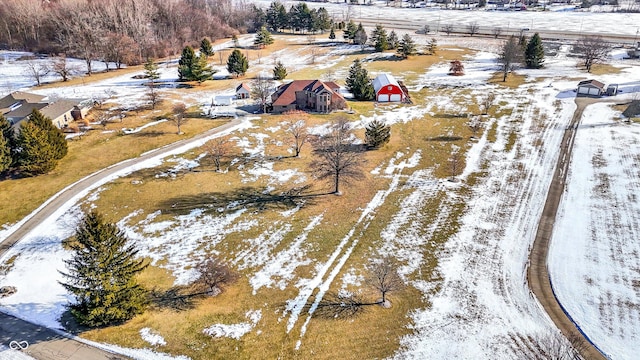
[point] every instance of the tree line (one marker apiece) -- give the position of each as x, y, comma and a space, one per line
35, 148
120, 31
299, 18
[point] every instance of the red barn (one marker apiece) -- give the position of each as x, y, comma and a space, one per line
387, 88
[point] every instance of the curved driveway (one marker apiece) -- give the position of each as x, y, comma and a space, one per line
46, 344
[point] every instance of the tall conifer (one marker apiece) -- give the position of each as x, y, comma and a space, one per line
534, 53
358, 82
55, 137
101, 274
185, 64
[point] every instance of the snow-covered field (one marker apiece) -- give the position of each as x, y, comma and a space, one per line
595, 254
481, 307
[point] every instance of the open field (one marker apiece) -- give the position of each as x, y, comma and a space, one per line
461, 245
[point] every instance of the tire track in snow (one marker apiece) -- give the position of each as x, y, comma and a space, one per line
295, 306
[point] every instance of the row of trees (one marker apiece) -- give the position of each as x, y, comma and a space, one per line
299, 18
192, 67
32, 150
120, 31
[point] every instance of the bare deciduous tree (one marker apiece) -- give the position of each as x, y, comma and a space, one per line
218, 148
179, 118
473, 28
510, 55
314, 52
297, 128
63, 68
447, 29
554, 346
152, 94
486, 102
475, 124
383, 277
496, 32
336, 157
214, 275
456, 68
592, 50
36, 70
261, 89
455, 163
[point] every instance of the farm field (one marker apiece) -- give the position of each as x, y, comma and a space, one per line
461, 239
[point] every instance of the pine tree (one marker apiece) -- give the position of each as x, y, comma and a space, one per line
237, 63
55, 137
263, 38
36, 155
201, 71
392, 40
5, 154
377, 134
276, 16
534, 53
7, 133
406, 47
379, 36
206, 48
332, 34
350, 30
101, 274
151, 70
358, 82
279, 71
432, 46
185, 64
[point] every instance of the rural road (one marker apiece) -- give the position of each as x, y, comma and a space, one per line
538, 277
45, 344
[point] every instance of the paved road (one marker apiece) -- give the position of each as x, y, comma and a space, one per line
46, 344
538, 273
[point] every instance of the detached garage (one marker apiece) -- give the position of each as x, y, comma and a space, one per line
590, 88
387, 89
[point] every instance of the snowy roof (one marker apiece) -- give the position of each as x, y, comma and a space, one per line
384, 79
16, 97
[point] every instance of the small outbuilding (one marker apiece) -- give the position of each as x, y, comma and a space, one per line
612, 90
387, 89
590, 88
243, 91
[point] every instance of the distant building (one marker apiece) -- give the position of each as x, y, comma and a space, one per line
387, 89
313, 95
17, 107
243, 91
590, 88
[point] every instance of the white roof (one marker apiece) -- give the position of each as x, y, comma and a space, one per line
382, 80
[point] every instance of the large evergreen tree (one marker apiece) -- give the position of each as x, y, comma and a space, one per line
534, 53
392, 40
406, 47
358, 82
185, 64
7, 144
332, 34
377, 134
350, 31
277, 16
379, 37
263, 38
101, 275
201, 71
279, 71
55, 137
5, 154
35, 156
205, 47
237, 63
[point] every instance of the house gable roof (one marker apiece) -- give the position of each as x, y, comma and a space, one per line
591, 82
383, 80
18, 97
286, 94
58, 108
23, 111
243, 86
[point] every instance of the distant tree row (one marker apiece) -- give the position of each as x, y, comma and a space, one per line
299, 18
119, 31
34, 149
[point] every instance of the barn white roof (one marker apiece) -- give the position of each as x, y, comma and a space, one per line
383, 80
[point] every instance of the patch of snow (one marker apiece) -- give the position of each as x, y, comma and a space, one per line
235, 331
138, 129
151, 337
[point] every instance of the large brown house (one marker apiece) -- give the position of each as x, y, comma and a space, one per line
312, 95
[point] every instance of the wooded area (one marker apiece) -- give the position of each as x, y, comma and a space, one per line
120, 31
